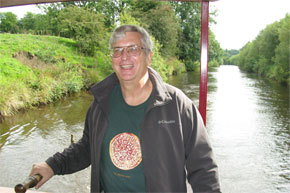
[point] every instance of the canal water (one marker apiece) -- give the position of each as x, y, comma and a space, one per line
247, 121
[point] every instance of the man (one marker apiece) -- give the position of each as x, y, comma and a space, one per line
141, 134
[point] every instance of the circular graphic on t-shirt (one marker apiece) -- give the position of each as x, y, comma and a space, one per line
125, 151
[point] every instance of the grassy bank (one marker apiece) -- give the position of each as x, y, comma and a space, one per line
38, 70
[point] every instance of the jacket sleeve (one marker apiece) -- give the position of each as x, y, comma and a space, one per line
202, 172
74, 158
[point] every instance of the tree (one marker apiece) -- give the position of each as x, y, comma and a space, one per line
245, 62
189, 15
266, 43
85, 26
159, 19
268, 55
8, 22
230, 56
282, 53
215, 51
110, 9
52, 11
28, 21
42, 22
189, 39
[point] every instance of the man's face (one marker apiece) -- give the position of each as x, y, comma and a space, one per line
130, 68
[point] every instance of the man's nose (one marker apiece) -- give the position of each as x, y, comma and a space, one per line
124, 54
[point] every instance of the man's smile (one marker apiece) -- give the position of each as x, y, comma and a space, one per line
126, 66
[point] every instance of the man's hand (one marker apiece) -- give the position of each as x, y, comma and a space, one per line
44, 170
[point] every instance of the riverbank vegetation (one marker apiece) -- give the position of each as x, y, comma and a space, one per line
269, 54
46, 56
229, 56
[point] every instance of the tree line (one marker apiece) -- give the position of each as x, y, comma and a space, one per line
269, 54
175, 26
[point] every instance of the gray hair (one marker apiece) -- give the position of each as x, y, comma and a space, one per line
120, 32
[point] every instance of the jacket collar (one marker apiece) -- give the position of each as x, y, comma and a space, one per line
160, 92
102, 90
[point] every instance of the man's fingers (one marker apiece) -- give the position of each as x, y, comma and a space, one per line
44, 170
40, 183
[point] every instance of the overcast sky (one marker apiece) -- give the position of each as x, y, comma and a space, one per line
238, 21
20, 11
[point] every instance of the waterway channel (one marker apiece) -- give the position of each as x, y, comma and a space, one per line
247, 121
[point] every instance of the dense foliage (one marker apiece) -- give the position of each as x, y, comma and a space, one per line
229, 56
268, 55
8, 22
85, 27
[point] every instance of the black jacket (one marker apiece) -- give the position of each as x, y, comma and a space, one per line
174, 141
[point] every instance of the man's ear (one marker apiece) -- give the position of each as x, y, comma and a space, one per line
149, 58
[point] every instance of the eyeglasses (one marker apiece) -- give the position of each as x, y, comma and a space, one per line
131, 51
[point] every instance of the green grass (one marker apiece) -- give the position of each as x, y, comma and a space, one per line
41, 69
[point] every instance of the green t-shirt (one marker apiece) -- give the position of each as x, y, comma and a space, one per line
121, 158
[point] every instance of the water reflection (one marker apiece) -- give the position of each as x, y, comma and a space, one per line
47, 119
35, 135
248, 121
